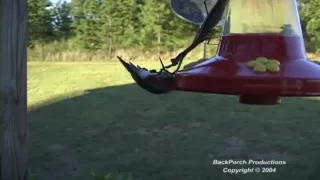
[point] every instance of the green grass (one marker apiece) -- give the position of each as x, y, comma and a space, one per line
91, 117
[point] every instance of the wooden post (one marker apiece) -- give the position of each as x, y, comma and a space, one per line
13, 68
204, 50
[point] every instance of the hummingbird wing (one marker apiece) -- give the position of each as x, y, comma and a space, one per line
205, 30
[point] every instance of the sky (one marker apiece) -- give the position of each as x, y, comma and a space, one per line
55, 1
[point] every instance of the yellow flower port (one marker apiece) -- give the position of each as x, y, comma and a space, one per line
260, 68
263, 65
263, 60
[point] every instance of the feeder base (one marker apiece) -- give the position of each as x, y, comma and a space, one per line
254, 99
222, 76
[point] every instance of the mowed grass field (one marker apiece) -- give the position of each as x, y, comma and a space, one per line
90, 117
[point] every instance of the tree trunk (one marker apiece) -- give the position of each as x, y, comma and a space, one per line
110, 39
159, 44
159, 37
204, 50
110, 48
13, 68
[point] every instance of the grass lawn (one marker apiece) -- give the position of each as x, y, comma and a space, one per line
91, 117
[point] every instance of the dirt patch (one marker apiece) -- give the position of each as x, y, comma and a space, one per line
165, 131
195, 124
55, 148
234, 145
63, 166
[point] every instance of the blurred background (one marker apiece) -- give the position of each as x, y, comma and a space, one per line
95, 30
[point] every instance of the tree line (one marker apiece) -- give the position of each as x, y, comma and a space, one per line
108, 24
130, 24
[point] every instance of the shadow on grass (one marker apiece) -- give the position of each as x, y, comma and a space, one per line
174, 136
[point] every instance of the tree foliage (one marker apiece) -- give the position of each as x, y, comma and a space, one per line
129, 24
40, 21
310, 16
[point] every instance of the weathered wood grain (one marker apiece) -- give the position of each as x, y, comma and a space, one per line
13, 68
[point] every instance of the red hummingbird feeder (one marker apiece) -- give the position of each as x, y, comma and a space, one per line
255, 33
